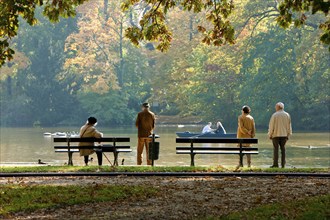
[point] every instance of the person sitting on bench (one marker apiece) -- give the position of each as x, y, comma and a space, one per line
220, 129
89, 131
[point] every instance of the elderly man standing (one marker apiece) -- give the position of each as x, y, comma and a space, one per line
145, 122
279, 131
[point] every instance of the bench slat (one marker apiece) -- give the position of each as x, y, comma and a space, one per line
76, 150
124, 150
217, 140
66, 150
215, 152
92, 147
117, 149
105, 139
218, 148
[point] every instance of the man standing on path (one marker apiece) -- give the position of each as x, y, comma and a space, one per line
145, 122
279, 131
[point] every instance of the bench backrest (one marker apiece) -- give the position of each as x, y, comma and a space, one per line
202, 140
104, 139
216, 148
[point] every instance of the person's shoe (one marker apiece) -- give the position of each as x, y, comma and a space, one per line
283, 166
273, 166
86, 164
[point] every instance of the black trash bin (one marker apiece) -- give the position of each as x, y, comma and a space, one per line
153, 150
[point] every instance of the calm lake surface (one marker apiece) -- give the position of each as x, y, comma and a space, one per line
27, 145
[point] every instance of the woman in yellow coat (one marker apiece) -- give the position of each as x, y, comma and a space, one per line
246, 128
89, 131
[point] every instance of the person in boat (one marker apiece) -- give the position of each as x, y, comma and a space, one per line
89, 131
246, 129
207, 128
220, 129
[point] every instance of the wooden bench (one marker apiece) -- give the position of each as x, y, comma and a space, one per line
192, 150
70, 148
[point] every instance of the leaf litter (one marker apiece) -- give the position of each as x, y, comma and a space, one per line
176, 198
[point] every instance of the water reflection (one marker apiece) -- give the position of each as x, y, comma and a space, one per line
27, 145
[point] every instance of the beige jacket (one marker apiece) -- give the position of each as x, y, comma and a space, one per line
88, 131
245, 125
280, 125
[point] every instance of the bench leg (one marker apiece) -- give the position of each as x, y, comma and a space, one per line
241, 159
241, 154
115, 161
70, 163
99, 155
192, 160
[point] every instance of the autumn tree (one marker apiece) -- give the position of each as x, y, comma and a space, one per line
98, 51
111, 68
30, 90
11, 10
284, 65
207, 78
152, 26
93, 50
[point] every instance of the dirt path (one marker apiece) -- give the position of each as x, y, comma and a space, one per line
180, 198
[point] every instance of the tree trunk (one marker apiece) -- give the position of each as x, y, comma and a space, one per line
9, 86
191, 28
105, 10
121, 65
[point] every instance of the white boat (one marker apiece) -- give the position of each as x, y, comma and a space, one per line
59, 134
62, 134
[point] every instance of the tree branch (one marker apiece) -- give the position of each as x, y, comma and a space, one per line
254, 16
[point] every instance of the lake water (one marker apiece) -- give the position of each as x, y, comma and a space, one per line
27, 145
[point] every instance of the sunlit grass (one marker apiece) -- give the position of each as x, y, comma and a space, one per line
311, 208
16, 198
153, 169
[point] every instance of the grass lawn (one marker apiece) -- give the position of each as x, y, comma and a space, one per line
152, 169
16, 198
311, 208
